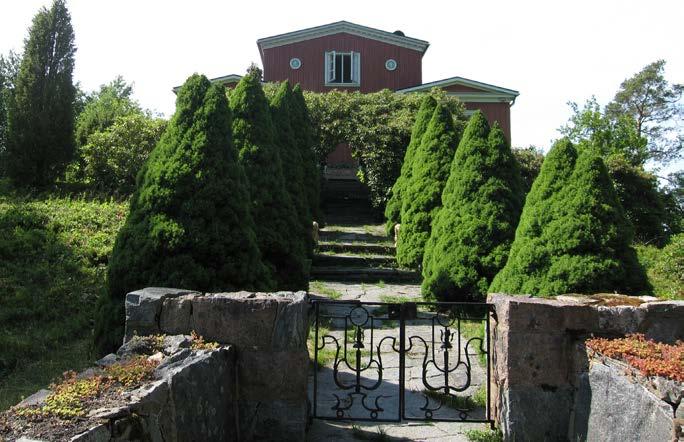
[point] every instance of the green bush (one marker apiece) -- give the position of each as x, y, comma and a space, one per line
377, 127
573, 236
473, 231
112, 158
393, 207
665, 267
274, 214
423, 193
189, 225
303, 130
282, 110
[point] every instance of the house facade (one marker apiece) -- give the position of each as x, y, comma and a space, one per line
352, 57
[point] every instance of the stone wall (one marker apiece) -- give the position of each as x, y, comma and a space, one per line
537, 364
268, 332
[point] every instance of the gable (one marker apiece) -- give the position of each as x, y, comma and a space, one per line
467, 90
338, 28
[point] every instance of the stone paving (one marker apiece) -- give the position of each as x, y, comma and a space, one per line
388, 388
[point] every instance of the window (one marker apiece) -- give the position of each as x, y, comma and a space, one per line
342, 68
295, 63
391, 64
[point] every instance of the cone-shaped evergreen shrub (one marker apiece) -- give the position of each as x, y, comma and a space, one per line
303, 130
282, 109
393, 207
274, 214
423, 194
474, 229
573, 236
189, 224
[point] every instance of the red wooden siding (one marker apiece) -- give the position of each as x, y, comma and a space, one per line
500, 112
374, 76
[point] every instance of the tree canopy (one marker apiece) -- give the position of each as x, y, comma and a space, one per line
41, 116
573, 236
473, 231
423, 193
274, 213
189, 223
393, 207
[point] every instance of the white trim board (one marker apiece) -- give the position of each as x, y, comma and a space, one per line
346, 27
230, 78
488, 90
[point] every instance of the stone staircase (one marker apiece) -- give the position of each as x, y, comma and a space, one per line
353, 246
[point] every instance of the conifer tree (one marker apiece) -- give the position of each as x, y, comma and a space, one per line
424, 191
573, 236
303, 130
282, 109
189, 224
474, 229
41, 117
393, 207
274, 214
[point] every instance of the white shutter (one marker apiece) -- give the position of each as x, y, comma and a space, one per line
330, 67
356, 67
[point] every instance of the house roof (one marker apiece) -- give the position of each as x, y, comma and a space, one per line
485, 92
336, 28
226, 79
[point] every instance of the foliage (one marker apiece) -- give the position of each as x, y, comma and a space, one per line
673, 199
41, 117
484, 435
649, 357
378, 128
198, 342
473, 231
530, 160
189, 223
303, 130
112, 158
104, 107
573, 236
9, 67
274, 214
287, 144
53, 255
131, 372
665, 267
393, 207
654, 106
423, 192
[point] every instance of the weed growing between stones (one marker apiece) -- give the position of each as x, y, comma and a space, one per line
198, 342
321, 288
484, 435
649, 357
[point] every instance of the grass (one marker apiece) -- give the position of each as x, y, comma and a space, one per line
53, 257
326, 355
484, 435
321, 288
359, 434
477, 400
475, 329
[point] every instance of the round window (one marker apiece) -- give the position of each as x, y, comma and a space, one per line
391, 64
295, 63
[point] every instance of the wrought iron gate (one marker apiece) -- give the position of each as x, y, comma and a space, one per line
390, 362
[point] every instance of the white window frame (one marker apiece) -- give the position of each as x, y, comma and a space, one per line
329, 69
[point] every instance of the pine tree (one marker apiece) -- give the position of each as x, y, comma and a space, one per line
481, 205
573, 236
41, 118
303, 130
423, 193
274, 214
393, 207
189, 224
282, 110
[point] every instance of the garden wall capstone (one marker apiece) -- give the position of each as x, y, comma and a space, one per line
268, 332
539, 369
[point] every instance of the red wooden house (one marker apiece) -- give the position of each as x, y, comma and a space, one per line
348, 56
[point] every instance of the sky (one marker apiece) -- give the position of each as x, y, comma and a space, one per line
551, 52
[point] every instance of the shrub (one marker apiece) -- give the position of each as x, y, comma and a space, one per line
282, 109
424, 191
393, 207
530, 160
41, 116
189, 224
274, 214
665, 267
304, 138
473, 231
573, 236
113, 157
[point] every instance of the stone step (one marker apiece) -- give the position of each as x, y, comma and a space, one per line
349, 236
364, 274
356, 247
340, 260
